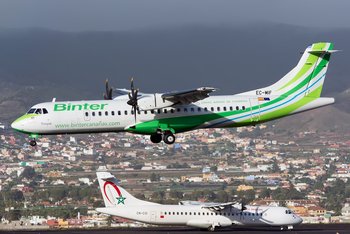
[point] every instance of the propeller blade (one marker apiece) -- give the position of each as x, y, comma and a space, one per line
110, 94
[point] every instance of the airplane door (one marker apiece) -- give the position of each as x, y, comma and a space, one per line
153, 216
254, 109
87, 115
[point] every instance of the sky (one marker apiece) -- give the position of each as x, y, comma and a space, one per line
120, 15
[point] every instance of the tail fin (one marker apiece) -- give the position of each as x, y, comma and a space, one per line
309, 74
113, 194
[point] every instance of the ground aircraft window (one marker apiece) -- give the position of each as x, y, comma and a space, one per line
165, 111
173, 213
132, 112
243, 107
237, 108
181, 213
31, 111
185, 109
126, 112
112, 112
38, 111
177, 213
93, 113
99, 113
218, 108
205, 109
119, 113
159, 111
45, 111
86, 114
178, 110
192, 109
199, 109
212, 108
253, 214
145, 112
106, 113
194, 213
152, 111
172, 110
231, 108
185, 213
190, 213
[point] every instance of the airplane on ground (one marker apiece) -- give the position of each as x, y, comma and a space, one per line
161, 115
206, 216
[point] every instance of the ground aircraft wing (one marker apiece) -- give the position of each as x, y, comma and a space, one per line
217, 206
188, 96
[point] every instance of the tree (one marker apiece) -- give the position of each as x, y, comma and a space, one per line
214, 168
265, 192
28, 173
153, 177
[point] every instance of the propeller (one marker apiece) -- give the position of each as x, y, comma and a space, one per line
133, 98
243, 204
108, 95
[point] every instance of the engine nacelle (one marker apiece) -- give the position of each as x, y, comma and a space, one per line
153, 101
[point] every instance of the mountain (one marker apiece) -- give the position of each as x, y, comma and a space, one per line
38, 64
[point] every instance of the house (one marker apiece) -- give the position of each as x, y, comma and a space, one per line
317, 211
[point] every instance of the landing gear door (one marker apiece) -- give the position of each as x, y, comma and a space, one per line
254, 109
87, 115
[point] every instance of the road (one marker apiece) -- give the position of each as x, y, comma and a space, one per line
310, 228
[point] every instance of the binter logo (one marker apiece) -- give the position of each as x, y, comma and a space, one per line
85, 106
120, 199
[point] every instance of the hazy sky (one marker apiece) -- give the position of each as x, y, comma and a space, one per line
81, 15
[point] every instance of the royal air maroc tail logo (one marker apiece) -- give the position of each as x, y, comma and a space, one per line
120, 199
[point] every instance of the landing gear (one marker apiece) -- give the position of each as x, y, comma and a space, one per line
33, 142
211, 228
156, 138
168, 138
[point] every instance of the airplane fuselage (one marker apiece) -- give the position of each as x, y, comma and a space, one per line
196, 216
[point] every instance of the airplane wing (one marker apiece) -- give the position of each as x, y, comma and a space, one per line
218, 206
188, 96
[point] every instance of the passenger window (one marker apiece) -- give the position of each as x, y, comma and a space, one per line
119, 113
218, 108
207, 213
145, 112
126, 112
190, 213
152, 111
192, 109
224, 214
38, 111
199, 109
243, 107
231, 108
132, 112
212, 108
181, 213
185, 109
173, 213
93, 113
248, 214
253, 214
220, 213
45, 111
245, 214
106, 113
31, 111
138, 112
158, 111
86, 114
112, 112
177, 213
172, 111
164, 213
224, 108
194, 213
199, 213
165, 111
205, 109
99, 113
185, 213
178, 110
237, 108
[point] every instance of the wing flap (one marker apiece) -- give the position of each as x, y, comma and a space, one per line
188, 96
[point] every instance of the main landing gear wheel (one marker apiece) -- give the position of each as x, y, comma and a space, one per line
156, 138
32, 143
169, 138
211, 228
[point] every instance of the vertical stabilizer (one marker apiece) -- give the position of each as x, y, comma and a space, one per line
113, 194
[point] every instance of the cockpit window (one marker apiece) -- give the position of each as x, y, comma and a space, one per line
45, 111
31, 111
289, 212
38, 111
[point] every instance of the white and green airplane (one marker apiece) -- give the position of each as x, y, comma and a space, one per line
161, 115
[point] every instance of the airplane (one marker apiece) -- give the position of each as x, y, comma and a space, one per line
206, 216
161, 115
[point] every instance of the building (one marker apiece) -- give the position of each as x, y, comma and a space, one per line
317, 211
